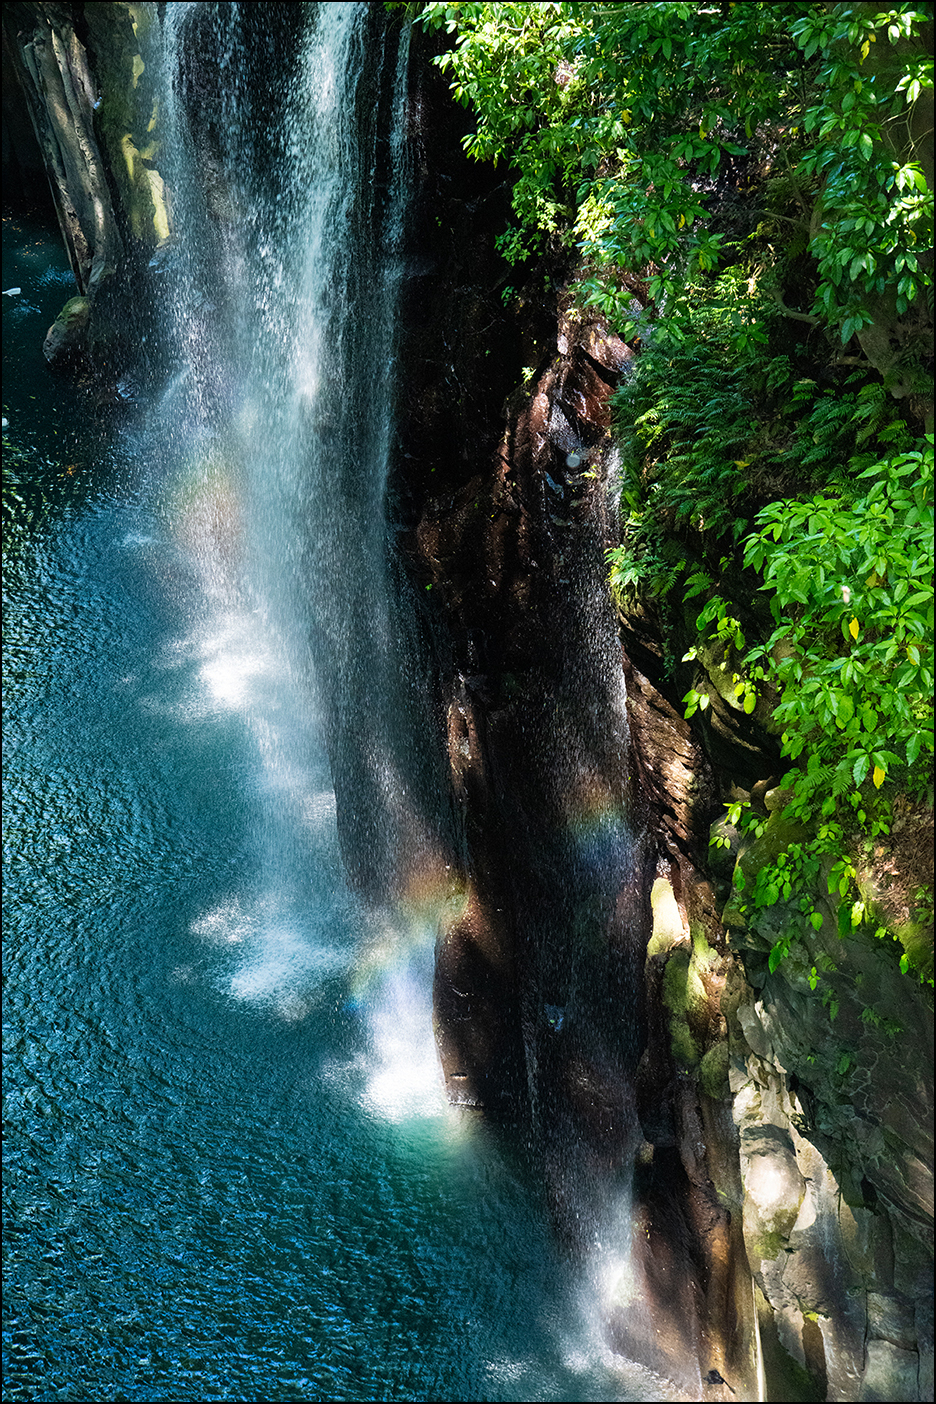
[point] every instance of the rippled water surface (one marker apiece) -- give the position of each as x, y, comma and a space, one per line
230, 1170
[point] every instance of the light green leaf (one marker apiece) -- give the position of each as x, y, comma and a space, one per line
778, 953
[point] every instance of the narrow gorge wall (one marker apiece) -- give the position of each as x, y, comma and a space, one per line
783, 1156
75, 75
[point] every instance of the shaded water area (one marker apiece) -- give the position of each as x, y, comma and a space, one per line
231, 1171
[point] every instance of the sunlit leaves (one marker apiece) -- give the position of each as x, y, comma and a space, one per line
632, 107
860, 571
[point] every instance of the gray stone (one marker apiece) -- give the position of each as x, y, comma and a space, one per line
842, 1341
67, 336
773, 1188
754, 1031
891, 1318
890, 1374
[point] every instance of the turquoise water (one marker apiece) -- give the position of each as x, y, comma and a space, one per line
230, 1169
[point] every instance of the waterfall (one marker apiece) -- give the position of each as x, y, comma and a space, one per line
286, 165
286, 169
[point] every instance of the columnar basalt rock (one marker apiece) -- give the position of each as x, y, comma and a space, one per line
60, 92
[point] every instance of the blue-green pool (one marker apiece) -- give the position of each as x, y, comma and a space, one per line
230, 1169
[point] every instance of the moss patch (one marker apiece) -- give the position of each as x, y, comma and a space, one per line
684, 996
75, 314
713, 1072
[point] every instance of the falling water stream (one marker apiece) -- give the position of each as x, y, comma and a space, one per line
231, 1169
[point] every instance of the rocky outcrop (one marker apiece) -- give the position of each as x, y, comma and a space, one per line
66, 339
568, 816
823, 1066
831, 1075
79, 74
780, 1192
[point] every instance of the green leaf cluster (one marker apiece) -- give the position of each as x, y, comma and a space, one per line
850, 587
712, 429
747, 191
627, 124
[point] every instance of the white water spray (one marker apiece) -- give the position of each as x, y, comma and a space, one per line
288, 205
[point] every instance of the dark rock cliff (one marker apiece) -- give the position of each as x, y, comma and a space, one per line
580, 789
769, 1183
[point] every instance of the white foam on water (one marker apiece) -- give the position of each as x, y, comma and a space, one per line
282, 960
225, 925
405, 1076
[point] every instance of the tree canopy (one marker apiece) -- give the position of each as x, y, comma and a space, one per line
670, 142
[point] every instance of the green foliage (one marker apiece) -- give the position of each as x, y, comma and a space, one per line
873, 218
712, 429
745, 188
652, 571
625, 121
511, 66
729, 638
851, 593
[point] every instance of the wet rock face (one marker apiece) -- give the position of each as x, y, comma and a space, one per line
539, 992
572, 777
65, 343
538, 752
505, 529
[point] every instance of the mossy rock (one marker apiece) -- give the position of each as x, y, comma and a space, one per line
667, 920
917, 941
76, 313
683, 1045
713, 1072
66, 340
684, 996
778, 834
